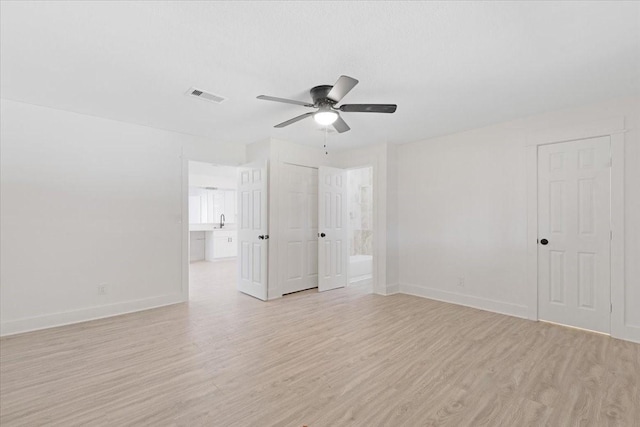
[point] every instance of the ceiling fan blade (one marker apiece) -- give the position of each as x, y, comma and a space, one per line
286, 101
340, 125
342, 87
295, 119
368, 108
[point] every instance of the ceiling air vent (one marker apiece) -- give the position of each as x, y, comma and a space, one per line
207, 96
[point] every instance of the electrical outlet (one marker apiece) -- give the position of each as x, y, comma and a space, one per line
102, 289
461, 282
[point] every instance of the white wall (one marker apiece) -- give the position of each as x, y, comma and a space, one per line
210, 175
87, 201
462, 210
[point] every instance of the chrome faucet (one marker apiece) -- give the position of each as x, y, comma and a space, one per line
222, 219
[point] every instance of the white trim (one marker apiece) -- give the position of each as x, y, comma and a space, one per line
466, 300
615, 129
274, 290
574, 327
532, 232
629, 333
184, 221
618, 315
393, 289
86, 314
379, 218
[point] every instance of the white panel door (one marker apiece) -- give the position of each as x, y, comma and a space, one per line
252, 229
299, 230
332, 228
574, 233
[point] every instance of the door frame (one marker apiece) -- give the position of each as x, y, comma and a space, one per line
184, 215
613, 128
184, 222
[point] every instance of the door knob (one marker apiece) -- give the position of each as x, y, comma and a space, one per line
544, 242
321, 235
261, 237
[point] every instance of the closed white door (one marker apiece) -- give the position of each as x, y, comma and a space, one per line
252, 229
299, 239
574, 233
332, 228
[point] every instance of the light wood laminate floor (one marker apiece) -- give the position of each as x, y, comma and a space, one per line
337, 358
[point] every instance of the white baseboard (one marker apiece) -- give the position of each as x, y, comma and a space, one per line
629, 333
393, 289
466, 300
29, 324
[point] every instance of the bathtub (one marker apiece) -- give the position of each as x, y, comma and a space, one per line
360, 267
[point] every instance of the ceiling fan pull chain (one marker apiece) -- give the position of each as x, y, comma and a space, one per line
326, 152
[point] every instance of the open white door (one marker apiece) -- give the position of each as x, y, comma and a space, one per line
574, 233
252, 229
332, 228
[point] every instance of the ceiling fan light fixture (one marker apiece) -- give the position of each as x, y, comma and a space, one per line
325, 117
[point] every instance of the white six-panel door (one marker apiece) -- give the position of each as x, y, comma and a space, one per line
298, 245
253, 229
574, 233
332, 228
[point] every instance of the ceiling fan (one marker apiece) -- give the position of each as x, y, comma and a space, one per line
325, 98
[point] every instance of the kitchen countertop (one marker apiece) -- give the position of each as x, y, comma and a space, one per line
211, 227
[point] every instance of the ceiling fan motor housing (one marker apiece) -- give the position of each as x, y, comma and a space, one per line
319, 95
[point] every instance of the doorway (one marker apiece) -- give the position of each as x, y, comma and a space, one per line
212, 232
574, 233
360, 208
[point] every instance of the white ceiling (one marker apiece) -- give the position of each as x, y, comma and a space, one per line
449, 66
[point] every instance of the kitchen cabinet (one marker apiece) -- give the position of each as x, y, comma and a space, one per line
225, 244
206, 206
196, 245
